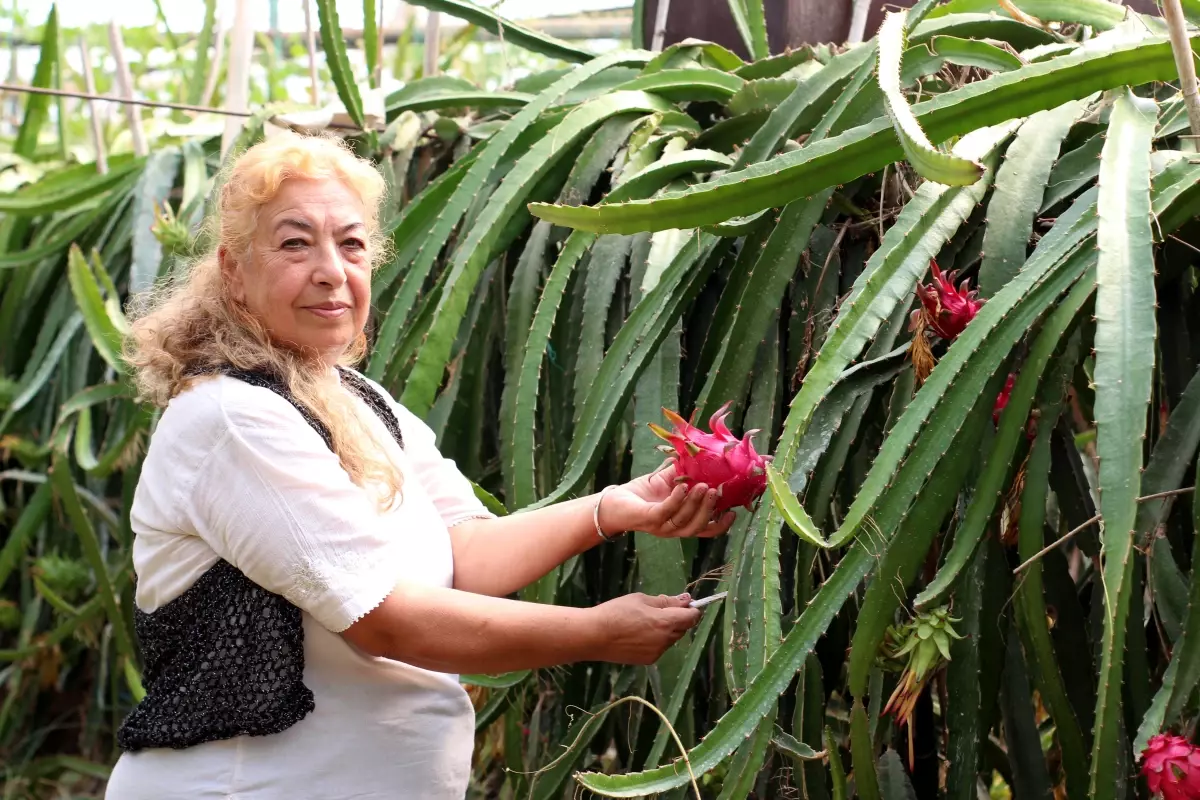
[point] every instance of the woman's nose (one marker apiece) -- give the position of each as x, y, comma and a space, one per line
330, 270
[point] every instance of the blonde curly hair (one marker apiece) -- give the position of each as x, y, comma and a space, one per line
190, 324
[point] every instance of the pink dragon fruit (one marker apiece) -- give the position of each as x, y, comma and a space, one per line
719, 459
1171, 766
947, 310
1002, 398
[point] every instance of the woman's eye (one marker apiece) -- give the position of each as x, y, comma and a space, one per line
293, 244
355, 244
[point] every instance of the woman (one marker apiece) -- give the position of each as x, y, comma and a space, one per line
312, 574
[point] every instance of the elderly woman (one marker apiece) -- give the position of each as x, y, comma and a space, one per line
312, 574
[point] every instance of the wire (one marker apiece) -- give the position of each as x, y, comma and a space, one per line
8, 87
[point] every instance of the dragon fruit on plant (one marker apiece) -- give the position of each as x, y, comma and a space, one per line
947, 309
1002, 398
718, 459
1171, 766
944, 310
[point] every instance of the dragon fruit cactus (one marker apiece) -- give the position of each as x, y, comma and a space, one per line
718, 459
1171, 766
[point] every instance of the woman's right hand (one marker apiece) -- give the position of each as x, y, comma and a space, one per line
638, 628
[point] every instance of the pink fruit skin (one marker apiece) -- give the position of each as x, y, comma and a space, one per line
949, 309
718, 459
1171, 766
1002, 398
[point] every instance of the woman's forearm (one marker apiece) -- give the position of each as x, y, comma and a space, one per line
500, 556
458, 632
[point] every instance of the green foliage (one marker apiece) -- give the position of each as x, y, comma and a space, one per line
632, 231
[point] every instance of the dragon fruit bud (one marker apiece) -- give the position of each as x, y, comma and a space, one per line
1171, 766
1002, 398
947, 309
718, 459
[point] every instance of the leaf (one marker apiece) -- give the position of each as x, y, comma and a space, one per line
370, 39
1030, 776
999, 466
1172, 453
907, 550
200, 66
1124, 345
507, 30
788, 744
106, 337
64, 488
929, 162
631, 350
752, 25
438, 92
448, 214
893, 779
687, 84
33, 514
152, 189
1029, 598
809, 100
983, 26
37, 106
1100, 14
47, 196
792, 512
964, 716
646, 182
870, 147
334, 47
862, 750
1020, 184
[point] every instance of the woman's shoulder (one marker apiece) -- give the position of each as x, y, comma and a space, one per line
410, 423
212, 406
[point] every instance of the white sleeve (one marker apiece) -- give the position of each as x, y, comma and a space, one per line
439, 476
273, 500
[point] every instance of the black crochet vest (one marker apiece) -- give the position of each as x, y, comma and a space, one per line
226, 657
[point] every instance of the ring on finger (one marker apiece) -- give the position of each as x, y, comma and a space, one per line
672, 523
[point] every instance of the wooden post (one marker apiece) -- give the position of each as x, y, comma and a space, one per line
660, 25
310, 40
125, 86
90, 85
432, 25
1182, 47
214, 67
858, 21
237, 94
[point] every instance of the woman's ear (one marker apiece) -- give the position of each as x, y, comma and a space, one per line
231, 274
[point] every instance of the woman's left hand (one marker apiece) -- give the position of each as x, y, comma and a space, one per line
654, 503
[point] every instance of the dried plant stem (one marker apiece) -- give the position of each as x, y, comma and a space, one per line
1084, 526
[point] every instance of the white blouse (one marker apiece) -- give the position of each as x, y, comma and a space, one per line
235, 472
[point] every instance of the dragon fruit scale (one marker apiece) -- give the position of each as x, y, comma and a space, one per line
1171, 766
718, 459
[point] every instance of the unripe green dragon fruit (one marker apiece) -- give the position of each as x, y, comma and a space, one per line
719, 459
919, 648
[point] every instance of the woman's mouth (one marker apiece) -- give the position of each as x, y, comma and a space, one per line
329, 310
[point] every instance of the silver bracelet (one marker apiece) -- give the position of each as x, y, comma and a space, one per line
596, 513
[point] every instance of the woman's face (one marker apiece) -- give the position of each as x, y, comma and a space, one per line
308, 278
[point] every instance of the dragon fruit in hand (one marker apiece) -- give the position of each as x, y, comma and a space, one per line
1171, 766
719, 459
